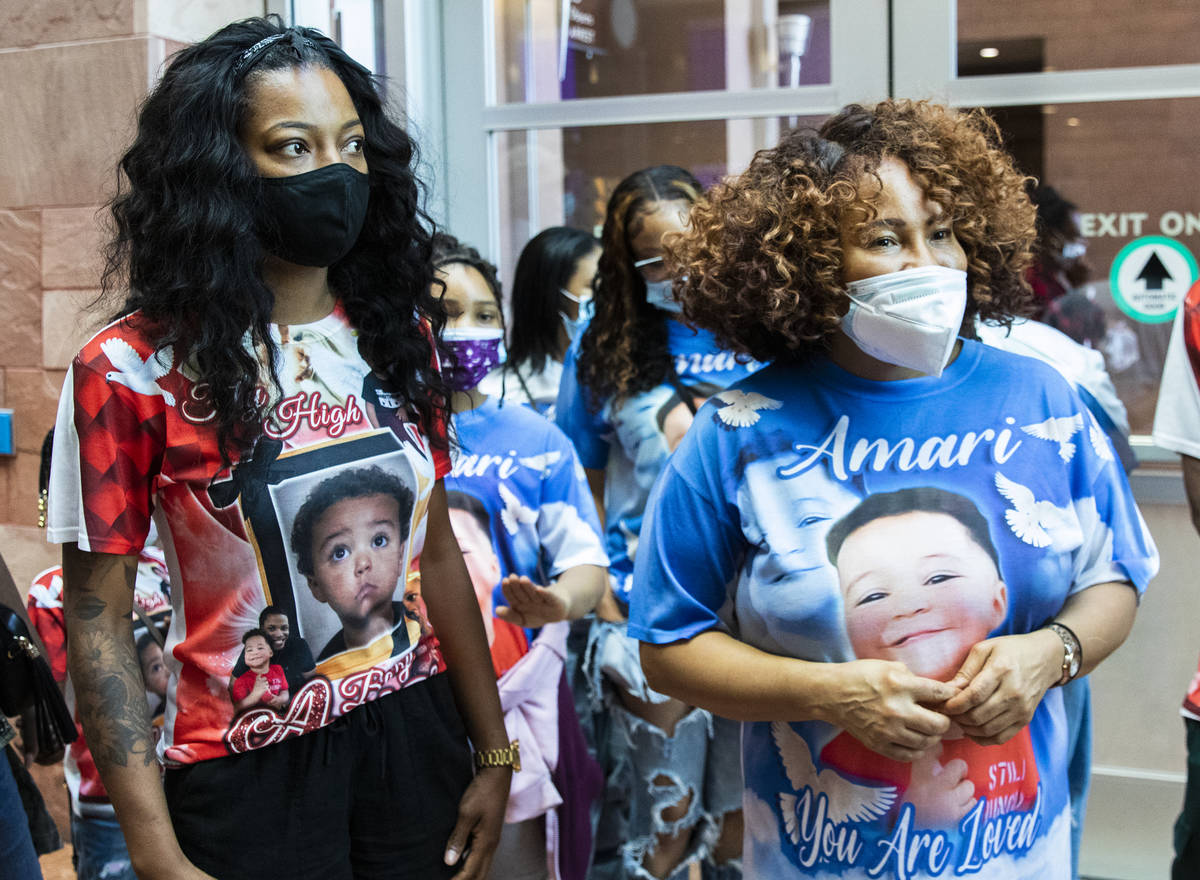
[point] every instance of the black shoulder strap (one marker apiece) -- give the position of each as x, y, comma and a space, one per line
685, 393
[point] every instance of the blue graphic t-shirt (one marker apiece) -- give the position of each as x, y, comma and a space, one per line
631, 442
817, 515
525, 473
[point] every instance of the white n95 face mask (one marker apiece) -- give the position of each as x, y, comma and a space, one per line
909, 318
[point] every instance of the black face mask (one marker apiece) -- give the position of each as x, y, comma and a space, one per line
313, 219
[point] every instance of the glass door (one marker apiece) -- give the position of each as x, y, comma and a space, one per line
579, 93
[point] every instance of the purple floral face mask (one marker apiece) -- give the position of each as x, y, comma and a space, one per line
476, 352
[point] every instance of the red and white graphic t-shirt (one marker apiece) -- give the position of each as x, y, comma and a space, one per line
322, 521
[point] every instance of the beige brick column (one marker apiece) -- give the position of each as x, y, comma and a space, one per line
72, 74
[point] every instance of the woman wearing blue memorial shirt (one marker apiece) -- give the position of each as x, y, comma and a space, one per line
855, 258
629, 389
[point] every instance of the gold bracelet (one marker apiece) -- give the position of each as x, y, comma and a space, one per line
506, 757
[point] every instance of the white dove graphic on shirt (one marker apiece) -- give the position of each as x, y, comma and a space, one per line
845, 800
47, 596
514, 513
542, 463
1058, 431
1039, 523
742, 408
1100, 442
140, 376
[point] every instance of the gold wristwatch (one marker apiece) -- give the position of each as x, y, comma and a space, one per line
506, 757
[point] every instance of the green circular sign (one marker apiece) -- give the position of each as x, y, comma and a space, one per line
1150, 277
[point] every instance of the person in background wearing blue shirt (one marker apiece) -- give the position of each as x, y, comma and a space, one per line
542, 523
628, 389
552, 303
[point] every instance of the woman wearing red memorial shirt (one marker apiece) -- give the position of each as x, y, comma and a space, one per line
269, 233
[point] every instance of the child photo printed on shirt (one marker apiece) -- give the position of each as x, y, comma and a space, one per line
332, 527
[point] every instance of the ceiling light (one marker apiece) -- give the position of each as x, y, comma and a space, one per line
1073, 121
989, 52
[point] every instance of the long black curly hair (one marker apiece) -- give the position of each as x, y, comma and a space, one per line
186, 249
624, 349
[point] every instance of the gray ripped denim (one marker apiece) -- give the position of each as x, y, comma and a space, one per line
701, 759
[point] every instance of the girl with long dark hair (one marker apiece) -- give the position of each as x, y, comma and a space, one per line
552, 303
269, 232
627, 396
520, 505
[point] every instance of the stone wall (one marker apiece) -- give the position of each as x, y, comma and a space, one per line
73, 74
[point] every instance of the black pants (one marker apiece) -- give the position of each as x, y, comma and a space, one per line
372, 796
1187, 827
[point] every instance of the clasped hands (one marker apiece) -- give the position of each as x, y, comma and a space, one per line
990, 699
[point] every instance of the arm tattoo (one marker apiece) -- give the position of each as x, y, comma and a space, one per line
111, 696
107, 679
89, 607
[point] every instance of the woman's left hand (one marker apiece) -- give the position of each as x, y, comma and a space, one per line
480, 818
1002, 681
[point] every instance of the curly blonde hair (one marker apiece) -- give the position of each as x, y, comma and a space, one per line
763, 254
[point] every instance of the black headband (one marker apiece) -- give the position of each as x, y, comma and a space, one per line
255, 53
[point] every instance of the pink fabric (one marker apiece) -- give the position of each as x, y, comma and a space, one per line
529, 699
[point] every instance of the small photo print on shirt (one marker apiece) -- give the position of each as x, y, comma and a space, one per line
333, 527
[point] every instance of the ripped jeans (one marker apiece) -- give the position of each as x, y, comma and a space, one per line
648, 772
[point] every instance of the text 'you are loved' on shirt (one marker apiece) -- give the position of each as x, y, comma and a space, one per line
817, 515
322, 522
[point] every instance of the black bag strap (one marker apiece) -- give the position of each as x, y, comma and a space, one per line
685, 393
525, 388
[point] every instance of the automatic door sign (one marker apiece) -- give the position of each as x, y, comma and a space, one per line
1150, 276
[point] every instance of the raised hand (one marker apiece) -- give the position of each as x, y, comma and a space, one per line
531, 605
